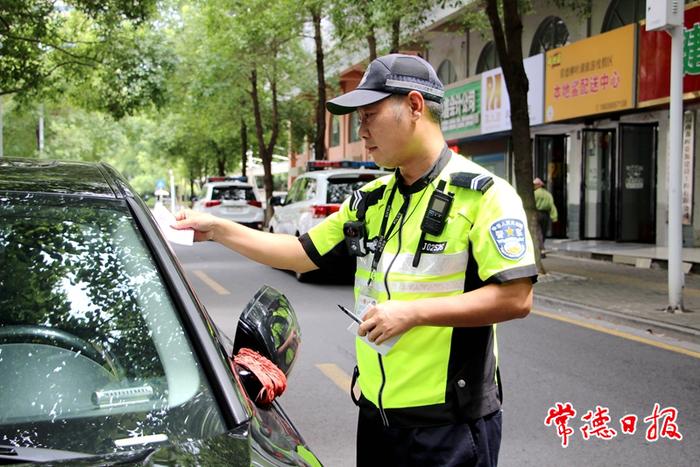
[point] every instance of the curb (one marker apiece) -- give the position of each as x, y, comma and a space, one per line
555, 303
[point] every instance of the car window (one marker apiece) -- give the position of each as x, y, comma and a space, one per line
232, 193
309, 190
339, 188
296, 191
93, 355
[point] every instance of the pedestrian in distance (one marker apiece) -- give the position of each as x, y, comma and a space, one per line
546, 211
443, 253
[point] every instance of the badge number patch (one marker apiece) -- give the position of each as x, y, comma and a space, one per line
433, 247
509, 237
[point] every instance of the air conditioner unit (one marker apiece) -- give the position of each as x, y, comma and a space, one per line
664, 14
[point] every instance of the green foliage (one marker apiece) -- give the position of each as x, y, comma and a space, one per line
130, 76
20, 124
41, 38
132, 145
355, 21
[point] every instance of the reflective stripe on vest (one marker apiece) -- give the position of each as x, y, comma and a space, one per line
443, 264
441, 287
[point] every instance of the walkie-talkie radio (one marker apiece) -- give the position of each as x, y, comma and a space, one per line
438, 208
434, 218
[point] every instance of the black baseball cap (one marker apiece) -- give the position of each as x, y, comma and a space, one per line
387, 75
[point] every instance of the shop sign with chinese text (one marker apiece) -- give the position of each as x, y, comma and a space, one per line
591, 76
461, 109
688, 162
495, 104
655, 61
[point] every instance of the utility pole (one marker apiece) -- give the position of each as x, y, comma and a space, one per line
668, 15
172, 190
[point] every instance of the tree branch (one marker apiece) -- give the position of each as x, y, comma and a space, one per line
47, 44
34, 82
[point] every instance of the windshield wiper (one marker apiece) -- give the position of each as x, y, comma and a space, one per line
17, 454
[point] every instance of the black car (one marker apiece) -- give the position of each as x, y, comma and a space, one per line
106, 354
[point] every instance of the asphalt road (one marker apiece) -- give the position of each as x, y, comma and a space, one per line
543, 361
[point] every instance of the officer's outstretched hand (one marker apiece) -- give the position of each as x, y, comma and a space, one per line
202, 224
386, 320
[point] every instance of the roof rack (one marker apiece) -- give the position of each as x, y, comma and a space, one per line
345, 164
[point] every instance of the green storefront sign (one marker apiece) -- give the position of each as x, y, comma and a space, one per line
461, 109
691, 50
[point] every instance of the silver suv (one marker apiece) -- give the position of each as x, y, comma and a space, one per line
315, 195
231, 199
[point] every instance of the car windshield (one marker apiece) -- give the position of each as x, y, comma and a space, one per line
232, 193
93, 356
339, 188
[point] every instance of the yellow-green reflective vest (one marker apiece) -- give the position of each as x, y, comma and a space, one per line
433, 375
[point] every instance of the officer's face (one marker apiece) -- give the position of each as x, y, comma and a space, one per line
385, 127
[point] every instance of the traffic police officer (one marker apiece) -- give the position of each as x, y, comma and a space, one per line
443, 254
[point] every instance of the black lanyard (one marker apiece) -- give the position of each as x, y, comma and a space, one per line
384, 236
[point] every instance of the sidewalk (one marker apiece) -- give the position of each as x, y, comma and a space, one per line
583, 278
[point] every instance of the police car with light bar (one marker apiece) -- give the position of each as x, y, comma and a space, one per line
318, 193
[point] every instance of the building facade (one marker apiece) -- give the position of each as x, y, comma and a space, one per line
598, 105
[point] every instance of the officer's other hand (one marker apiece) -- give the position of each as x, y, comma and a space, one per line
202, 224
386, 320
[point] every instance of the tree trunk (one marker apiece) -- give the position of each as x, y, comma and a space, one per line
221, 164
371, 36
372, 44
320, 138
191, 186
265, 150
508, 39
244, 148
220, 158
395, 33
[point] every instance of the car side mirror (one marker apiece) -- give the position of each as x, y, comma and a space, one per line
269, 326
277, 200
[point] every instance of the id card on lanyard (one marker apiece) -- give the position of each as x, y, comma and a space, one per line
368, 295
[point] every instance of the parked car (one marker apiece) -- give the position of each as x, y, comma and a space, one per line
231, 199
106, 354
316, 194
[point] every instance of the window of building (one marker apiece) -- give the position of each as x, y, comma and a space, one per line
446, 72
488, 59
354, 124
551, 33
623, 12
335, 131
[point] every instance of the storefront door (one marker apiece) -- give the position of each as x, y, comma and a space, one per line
550, 166
636, 205
597, 187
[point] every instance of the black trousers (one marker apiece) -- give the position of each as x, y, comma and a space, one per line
543, 220
469, 444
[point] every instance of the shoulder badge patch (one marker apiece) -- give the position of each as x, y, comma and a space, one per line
361, 200
478, 182
509, 237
